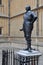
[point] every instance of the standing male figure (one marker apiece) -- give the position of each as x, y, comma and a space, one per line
29, 19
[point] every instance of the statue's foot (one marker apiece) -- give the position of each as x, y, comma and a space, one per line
26, 49
30, 50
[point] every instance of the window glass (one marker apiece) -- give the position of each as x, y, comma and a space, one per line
0, 31
0, 1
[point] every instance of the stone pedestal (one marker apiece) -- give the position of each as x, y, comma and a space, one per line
28, 58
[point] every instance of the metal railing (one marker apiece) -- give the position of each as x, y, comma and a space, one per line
8, 57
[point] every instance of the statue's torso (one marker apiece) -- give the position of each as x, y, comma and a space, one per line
27, 16
27, 25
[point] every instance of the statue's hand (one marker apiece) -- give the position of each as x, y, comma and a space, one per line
21, 29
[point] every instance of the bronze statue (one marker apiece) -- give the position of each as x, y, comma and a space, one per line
29, 19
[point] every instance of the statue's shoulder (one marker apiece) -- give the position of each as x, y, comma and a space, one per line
29, 12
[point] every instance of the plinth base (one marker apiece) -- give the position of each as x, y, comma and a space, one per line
28, 58
27, 53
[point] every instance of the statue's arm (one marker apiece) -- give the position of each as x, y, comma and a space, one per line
34, 17
21, 29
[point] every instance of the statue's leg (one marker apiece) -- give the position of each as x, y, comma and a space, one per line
28, 39
27, 35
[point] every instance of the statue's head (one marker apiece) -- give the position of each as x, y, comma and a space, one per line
28, 8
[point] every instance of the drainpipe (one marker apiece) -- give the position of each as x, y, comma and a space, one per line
37, 26
8, 17
37, 30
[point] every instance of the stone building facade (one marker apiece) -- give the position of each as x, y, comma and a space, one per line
11, 19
